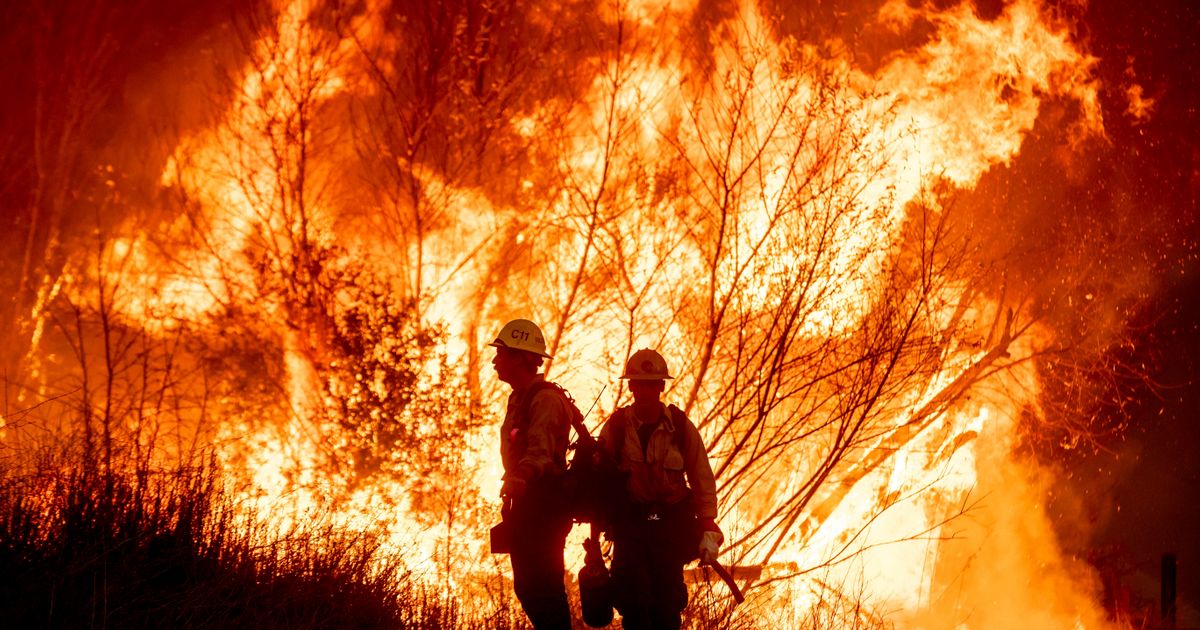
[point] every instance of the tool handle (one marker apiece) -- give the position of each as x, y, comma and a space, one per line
723, 573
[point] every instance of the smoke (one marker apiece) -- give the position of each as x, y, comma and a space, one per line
983, 575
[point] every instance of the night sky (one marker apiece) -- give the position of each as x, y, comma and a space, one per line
1141, 488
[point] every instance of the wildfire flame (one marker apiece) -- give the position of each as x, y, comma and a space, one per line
670, 178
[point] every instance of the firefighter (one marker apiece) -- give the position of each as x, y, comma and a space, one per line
669, 517
533, 446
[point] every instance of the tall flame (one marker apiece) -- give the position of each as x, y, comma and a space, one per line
762, 133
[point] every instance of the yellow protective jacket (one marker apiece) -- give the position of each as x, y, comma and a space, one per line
535, 446
668, 466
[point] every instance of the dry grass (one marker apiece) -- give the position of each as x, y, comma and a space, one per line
140, 549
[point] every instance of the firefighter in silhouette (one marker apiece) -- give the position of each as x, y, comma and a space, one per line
669, 517
533, 446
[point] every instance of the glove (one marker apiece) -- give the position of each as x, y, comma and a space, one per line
513, 488
710, 545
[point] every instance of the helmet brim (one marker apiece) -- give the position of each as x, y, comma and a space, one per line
499, 343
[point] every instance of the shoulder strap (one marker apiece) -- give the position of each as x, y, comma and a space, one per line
619, 434
576, 416
682, 422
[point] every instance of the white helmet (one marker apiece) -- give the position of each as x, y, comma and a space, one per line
522, 334
646, 365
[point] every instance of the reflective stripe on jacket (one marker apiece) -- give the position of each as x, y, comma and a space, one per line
669, 465
534, 446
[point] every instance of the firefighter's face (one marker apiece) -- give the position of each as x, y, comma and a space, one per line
510, 364
646, 391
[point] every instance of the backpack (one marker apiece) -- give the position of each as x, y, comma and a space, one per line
591, 485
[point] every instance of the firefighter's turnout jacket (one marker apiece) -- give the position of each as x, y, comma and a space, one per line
660, 474
535, 446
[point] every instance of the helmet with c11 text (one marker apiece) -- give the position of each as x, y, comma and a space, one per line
522, 334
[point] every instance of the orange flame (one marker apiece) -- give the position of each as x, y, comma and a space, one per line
942, 114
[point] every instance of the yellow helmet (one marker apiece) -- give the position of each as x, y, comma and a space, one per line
646, 365
522, 334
